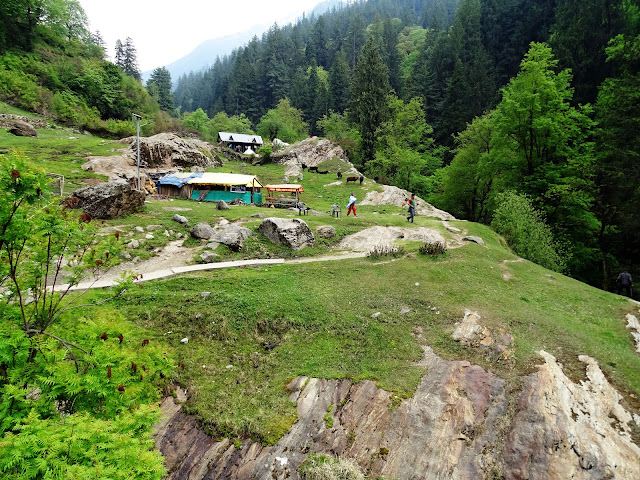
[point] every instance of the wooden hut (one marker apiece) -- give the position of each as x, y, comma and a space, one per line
239, 142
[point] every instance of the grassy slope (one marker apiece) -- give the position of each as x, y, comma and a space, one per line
320, 313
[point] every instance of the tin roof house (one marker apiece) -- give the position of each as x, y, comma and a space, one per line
240, 142
212, 187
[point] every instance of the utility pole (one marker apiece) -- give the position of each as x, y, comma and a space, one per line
138, 117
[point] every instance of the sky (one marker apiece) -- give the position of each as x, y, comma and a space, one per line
164, 31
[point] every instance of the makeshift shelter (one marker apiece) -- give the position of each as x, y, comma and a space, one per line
239, 142
213, 187
172, 184
284, 188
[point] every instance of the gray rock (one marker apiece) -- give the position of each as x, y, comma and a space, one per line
125, 255
213, 245
208, 257
222, 205
148, 236
404, 310
293, 233
205, 294
202, 230
108, 200
180, 219
258, 215
376, 315
326, 231
23, 129
151, 228
133, 244
231, 235
474, 239
139, 229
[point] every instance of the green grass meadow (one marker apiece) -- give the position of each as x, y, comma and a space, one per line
316, 318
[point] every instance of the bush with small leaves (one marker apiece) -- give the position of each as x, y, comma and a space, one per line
433, 249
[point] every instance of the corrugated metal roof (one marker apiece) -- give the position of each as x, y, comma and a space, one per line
178, 179
214, 178
286, 187
240, 138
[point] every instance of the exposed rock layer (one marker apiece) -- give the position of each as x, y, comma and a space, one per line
451, 428
293, 233
108, 200
396, 196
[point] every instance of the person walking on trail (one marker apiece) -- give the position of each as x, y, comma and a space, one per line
352, 205
412, 208
625, 282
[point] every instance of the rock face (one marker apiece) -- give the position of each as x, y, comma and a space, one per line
311, 152
398, 197
383, 237
293, 233
8, 120
108, 200
23, 129
231, 235
457, 425
168, 149
568, 430
326, 231
203, 231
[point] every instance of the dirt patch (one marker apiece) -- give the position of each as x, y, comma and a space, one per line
172, 255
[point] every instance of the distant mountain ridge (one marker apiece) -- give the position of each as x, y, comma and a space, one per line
205, 54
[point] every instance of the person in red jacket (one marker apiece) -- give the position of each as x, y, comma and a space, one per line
352, 205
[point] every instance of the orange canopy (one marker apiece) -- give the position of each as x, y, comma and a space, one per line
286, 187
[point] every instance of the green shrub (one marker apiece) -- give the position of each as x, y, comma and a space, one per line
433, 249
526, 231
323, 467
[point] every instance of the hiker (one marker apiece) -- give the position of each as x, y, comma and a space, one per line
625, 282
412, 208
352, 205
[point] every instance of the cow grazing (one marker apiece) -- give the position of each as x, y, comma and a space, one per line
361, 180
323, 172
339, 174
304, 165
352, 179
313, 169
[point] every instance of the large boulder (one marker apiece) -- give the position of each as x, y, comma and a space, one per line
389, 195
203, 231
312, 152
169, 150
23, 129
232, 235
107, 200
326, 231
293, 233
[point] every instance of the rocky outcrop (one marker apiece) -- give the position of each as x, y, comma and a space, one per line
383, 237
390, 195
22, 129
116, 167
311, 152
231, 235
293, 233
202, 231
107, 200
8, 120
170, 150
568, 430
454, 426
326, 231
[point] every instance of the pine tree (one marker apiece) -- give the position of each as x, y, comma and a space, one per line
130, 60
119, 54
369, 90
339, 83
159, 87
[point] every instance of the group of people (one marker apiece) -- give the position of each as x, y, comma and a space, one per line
411, 203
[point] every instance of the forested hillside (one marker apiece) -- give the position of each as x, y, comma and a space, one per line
452, 100
50, 63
